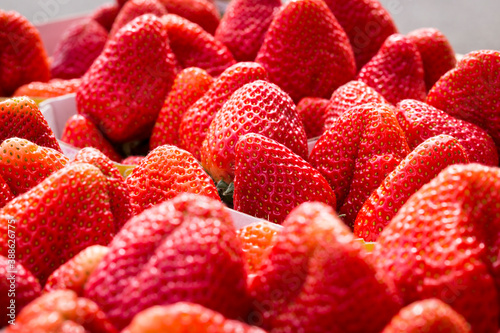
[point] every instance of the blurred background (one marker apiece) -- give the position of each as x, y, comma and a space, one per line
469, 25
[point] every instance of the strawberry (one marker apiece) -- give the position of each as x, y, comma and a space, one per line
396, 71
135, 8
311, 61
53, 88
185, 317
312, 111
317, 278
437, 53
72, 203
80, 45
74, 273
201, 12
61, 311
444, 243
421, 121
81, 132
244, 25
18, 286
184, 249
118, 191
132, 160
353, 93
270, 179
470, 92
24, 164
194, 47
21, 117
189, 86
105, 15
6, 194
356, 154
163, 174
23, 58
196, 121
367, 24
257, 107
124, 89
417, 169
430, 315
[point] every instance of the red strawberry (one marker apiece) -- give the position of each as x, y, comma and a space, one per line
18, 286
421, 121
353, 93
194, 47
6, 194
185, 317
189, 86
71, 204
257, 107
124, 89
311, 61
417, 169
24, 164
270, 180
132, 160
430, 315
471, 91
23, 58
317, 278
312, 111
444, 243
135, 8
197, 119
163, 174
184, 249
61, 311
396, 71
80, 45
53, 88
201, 12
437, 53
21, 117
74, 273
244, 25
367, 24
356, 154
118, 191
105, 15
81, 132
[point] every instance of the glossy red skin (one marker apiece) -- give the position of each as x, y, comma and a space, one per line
312, 110
6, 194
396, 71
77, 49
197, 119
471, 92
183, 249
194, 47
291, 57
105, 15
81, 132
132, 160
24, 164
22, 118
133, 9
201, 12
317, 278
271, 180
163, 174
356, 154
124, 89
437, 53
45, 218
367, 24
353, 93
430, 315
118, 191
26, 289
424, 163
23, 58
189, 86
421, 121
244, 25
257, 107
440, 245
53, 88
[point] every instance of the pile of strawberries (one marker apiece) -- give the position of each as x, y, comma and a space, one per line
219, 111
